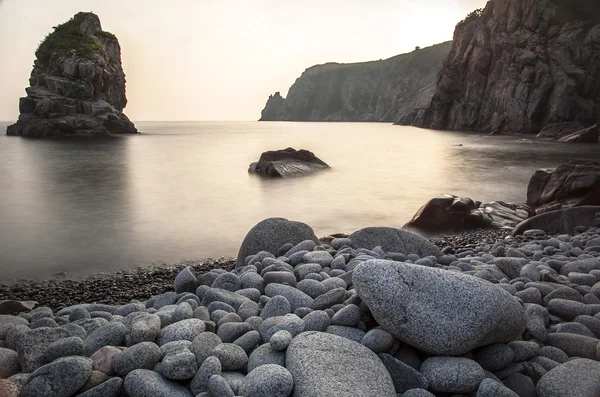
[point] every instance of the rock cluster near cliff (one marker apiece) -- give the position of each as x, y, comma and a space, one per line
77, 85
520, 66
387, 90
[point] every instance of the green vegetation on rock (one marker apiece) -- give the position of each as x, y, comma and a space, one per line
66, 39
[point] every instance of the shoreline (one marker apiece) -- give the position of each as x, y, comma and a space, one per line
141, 282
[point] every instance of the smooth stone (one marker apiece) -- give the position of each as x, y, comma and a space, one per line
324, 365
270, 234
575, 345
103, 360
276, 306
248, 341
144, 355
394, 240
281, 340
143, 383
60, 378
71, 346
403, 376
111, 334
179, 365
491, 388
289, 322
265, 354
452, 374
348, 316
354, 334
7, 321
175, 346
141, 327
312, 288
295, 297
280, 277
494, 357
330, 298
203, 345
435, 310
579, 377
232, 357
31, 345
110, 388
317, 320
211, 366
378, 340
268, 380
9, 363
229, 332
181, 330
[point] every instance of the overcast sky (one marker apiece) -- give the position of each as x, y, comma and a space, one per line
220, 59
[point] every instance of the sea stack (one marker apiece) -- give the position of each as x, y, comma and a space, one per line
77, 85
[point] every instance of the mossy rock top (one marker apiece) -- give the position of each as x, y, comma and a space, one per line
79, 36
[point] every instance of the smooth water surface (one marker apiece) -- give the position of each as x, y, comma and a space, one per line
181, 190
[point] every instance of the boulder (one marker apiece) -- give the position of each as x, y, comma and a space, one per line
324, 365
453, 213
394, 240
77, 85
272, 233
286, 163
560, 221
573, 184
435, 310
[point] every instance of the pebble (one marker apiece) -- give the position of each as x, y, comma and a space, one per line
452, 374
269, 380
144, 382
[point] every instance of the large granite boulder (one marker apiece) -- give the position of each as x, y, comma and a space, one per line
324, 365
385, 90
435, 310
394, 240
287, 162
572, 184
77, 85
271, 234
453, 213
560, 221
519, 65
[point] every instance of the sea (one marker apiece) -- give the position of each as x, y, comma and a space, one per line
181, 190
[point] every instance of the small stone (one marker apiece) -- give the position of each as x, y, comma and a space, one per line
144, 355
71, 346
218, 386
61, 378
181, 330
103, 359
185, 281
281, 340
268, 380
452, 374
317, 320
248, 341
378, 340
579, 377
494, 357
9, 363
110, 388
211, 366
232, 357
143, 383
491, 388
265, 354
348, 316
403, 376
295, 297
203, 345
276, 306
111, 334
179, 365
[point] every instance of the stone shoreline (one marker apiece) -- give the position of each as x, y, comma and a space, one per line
121, 286
380, 312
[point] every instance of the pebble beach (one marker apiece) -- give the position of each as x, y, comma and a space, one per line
382, 312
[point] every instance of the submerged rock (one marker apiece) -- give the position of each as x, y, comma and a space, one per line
287, 162
77, 85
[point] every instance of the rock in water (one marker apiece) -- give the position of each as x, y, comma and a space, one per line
270, 234
573, 184
394, 240
77, 85
324, 365
579, 377
559, 221
437, 311
510, 64
287, 162
61, 378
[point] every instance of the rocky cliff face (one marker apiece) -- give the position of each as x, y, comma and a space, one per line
520, 66
387, 90
77, 85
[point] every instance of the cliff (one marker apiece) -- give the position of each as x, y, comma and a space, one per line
521, 66
386, 90
77, 85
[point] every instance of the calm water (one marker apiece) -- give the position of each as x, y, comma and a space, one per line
182, 191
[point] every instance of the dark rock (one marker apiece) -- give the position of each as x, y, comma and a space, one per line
78, 88
394, 240
452, 213
287, 162
559, 221
510, 64
585, 135
61, 378
579, 377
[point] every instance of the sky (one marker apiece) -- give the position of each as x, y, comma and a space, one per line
220, 60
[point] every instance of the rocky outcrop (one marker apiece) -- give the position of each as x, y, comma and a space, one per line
77, 85
573, 184
572, 131
519, 66
386, 90
452, 213
561, 221
286, 163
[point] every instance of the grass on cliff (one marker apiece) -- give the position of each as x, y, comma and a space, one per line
66, 39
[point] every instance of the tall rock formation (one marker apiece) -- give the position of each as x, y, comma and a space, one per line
77, 85
387, 90
521, 66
